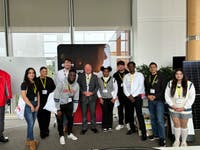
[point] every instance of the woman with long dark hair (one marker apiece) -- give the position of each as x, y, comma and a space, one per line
180, 95
30, 95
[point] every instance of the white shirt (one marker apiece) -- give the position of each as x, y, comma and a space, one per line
133, 84
61, 75
185, 102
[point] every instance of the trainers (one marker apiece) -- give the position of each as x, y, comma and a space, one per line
128, 126
109, 129
105, 130
3, 139
152, 138
183, 144
129, 132
176, 143
119, 127
162, 143
62, 140
72, 137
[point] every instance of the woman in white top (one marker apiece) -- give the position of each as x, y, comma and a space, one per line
180, 95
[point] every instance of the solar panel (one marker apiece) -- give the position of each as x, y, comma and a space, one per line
192, 71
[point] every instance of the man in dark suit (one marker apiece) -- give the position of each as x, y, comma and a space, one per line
88, 83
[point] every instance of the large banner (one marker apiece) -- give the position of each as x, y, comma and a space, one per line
95, 54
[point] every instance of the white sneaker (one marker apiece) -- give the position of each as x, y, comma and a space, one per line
128, 126
62, 140
105, 130
183, 144
109, 129
72, 137
119, 127
176, 143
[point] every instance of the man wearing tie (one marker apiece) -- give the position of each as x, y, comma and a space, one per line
88, 83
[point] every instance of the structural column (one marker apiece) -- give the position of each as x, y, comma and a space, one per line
193, 30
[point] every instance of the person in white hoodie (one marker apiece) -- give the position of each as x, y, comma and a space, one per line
107, 94
66, 98
180, 95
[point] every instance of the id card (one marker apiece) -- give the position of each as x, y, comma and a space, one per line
35, 99
44, 92
69, 99
152, 91
105, 91
179, 101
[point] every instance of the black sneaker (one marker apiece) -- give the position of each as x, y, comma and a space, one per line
152, 138
3, 139
83, 132
162, 143
94, 130
144, 138
129, 132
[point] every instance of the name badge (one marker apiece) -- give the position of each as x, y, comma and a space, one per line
152, 91
35, 99
105, 91
179, 101
122, 85
69, 99
44, 92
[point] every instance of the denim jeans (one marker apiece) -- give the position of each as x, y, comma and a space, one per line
30, 118
156, 109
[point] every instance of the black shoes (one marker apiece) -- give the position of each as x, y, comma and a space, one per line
144, 138
94, 130
130, 132
44, 135
83, 132
152, 138
162, 143
3, 139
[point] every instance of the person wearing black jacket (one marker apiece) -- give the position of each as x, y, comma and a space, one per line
124, 101
45, 86
155, 88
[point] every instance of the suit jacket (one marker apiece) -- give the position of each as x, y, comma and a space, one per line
93, 86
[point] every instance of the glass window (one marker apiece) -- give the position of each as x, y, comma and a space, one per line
118, 42
2, 44
2, 33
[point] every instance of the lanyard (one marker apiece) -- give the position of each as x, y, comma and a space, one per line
43, 83
131, 77
121, 77
154, 79
34, 88
105, 82
179, 90
88, 77
68, 87
65, 72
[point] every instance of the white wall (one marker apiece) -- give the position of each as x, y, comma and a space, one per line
159, 30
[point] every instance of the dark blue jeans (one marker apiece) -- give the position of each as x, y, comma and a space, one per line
30, 118
156, 109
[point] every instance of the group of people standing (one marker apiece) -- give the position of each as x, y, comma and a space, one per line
127, 86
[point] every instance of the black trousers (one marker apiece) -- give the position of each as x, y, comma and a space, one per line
107, 110
67, 111
124, 105
44, 117
2, 117
137, 105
